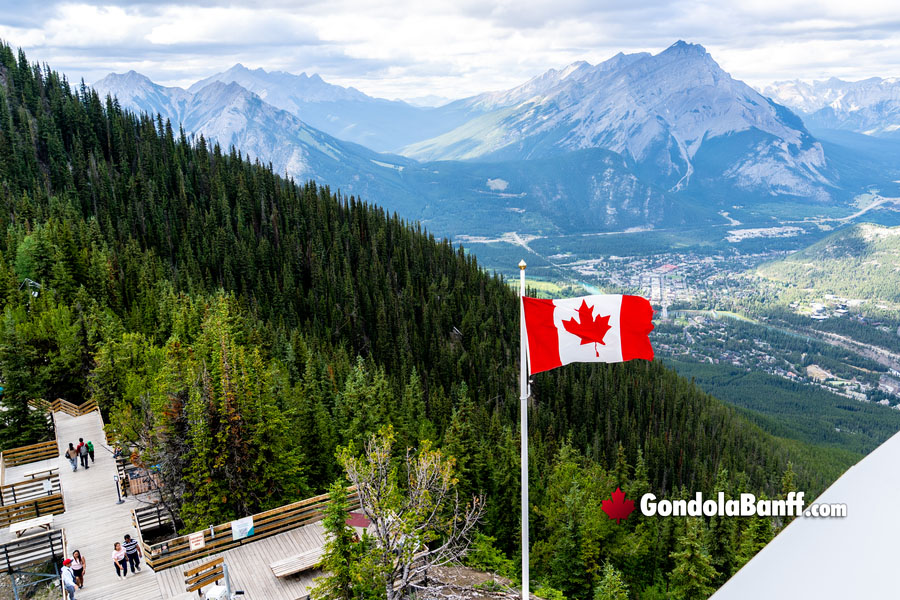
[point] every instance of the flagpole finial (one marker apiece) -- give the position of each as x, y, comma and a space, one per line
522, 264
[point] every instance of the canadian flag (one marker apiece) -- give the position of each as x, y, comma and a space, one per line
604, 328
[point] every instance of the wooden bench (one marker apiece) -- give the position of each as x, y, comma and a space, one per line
206, 574
22, 526
35, 472
298, 563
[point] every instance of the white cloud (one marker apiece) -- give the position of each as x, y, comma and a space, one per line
407, 48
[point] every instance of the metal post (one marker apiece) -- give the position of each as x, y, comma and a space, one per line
227, 581
118, 491
523, 407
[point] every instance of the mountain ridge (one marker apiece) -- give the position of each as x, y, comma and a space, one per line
653, 109
344, 112
231, 115
870, 106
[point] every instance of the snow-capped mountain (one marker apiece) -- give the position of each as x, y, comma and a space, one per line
549, 82
870, 106
283, 90
344, 112
233, 116
659, 111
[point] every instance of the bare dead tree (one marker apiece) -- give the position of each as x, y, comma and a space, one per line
417, 525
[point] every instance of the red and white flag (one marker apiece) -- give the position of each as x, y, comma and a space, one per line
605, 328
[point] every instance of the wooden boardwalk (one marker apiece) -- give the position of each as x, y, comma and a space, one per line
93, 521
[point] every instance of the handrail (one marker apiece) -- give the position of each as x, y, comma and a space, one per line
61, 405
28, 454
73, 410
218, 538
30, 488
32, 549
31, 509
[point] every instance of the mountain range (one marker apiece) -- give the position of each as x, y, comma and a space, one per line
346, 113
870, 106
639, 140
656, 111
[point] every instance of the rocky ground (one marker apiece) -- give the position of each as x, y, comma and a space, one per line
47, 591
463, 583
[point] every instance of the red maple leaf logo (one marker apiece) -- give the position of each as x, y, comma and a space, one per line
618, 508
589, 329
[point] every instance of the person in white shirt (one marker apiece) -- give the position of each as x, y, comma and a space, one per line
68, 578
119, 560
78, 568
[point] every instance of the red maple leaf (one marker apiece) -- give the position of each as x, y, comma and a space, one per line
618, 508
589, 329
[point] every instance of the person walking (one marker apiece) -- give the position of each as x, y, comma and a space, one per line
83, 453
77, 565
133, 551
119, 560
90, 447
68, 578
72, 455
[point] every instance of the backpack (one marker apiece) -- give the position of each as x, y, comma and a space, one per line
83, 450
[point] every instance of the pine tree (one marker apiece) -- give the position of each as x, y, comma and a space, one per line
338, 559
788, 485
755, 535
721, 534
611, 585
694, 573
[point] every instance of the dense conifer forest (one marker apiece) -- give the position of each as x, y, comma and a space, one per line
236, 328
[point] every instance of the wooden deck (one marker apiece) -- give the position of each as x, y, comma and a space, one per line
93, 521
249, 570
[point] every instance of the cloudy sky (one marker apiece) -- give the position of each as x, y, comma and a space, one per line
411, 48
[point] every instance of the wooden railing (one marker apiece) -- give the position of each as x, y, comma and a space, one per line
73, 410
60, 405
151, 517
39, 404
27, 454
176, 551
39, 487
32, 549
31, 509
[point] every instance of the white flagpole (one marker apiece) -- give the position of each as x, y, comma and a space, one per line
523, 407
